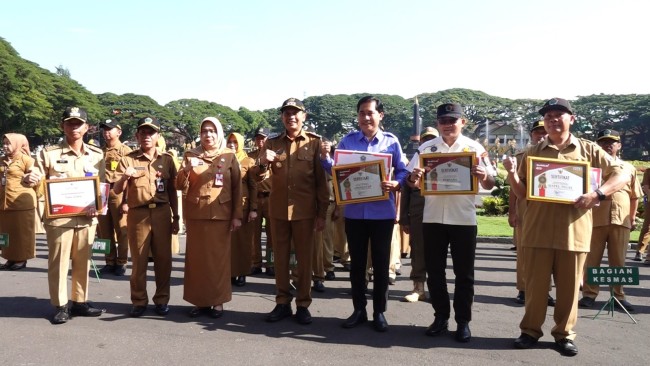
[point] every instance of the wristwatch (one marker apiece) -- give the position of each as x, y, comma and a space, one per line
601, 195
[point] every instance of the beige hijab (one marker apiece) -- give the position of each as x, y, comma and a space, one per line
19, 144
221, 141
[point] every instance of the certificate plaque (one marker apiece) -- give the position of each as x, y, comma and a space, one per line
71, 196
360, 182
448, 173
554, 180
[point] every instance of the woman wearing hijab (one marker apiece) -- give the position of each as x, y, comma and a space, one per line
242, 240
17, 203
210, 176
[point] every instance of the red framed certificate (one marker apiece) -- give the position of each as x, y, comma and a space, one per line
448, 173
360, 182
554, 180
71, 196
353, 157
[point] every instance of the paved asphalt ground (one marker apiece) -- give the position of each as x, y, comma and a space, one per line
242, 337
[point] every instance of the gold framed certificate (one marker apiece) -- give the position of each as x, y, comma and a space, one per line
448, 173
70, 197
360, 182
554, 180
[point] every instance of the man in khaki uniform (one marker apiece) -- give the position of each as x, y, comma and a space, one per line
613, 220
644, 236
113, 224
70, 237
148, 177
299, 201
263, 193
557, 236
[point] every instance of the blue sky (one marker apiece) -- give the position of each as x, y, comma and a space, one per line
257, 53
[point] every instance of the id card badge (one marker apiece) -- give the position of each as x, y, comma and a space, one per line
3, 180
160, 185
218, 180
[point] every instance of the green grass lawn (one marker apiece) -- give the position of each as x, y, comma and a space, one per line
498, 226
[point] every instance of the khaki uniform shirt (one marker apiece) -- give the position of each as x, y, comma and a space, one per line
521, 203
615, 209
203, 199
60, 161
298, 178
264, 178
141, 189
112, 157
14, 194
249, 185
560, 225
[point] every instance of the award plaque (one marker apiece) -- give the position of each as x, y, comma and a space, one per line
448, 173
71, 196
360, 182
353, 157
553, 180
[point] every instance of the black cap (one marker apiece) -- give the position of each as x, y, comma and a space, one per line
556, 104
454, 110
75, 113
293, 103
149, 121
608, 134
262, 131
109, 124
537, 124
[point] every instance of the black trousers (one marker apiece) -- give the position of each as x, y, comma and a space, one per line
438, 238
379, 234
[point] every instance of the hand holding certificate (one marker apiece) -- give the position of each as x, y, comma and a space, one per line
72, 197
554, 180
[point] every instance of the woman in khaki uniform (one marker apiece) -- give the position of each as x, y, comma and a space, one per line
17, 203
242, 240
212, 209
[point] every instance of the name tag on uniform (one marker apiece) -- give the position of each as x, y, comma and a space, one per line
139, 168
196, 162
62, 162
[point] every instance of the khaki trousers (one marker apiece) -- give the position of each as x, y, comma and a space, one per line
302, 234
616, 239
263, 213
566, 267
143, 239
328, 240
65, 243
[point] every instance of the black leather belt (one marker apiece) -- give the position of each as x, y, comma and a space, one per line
153, 205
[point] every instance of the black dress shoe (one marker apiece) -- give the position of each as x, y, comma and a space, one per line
270, 272
109, 268
629, 307
551, 301
17, 266
586, 302
303, 316
525, 341
280, 312
83, 309
256, 271
347, 267
463, 334
330, 276
137, 311
438, 326
62, 315
357, 317
379, 322
521, 298
6, 265
240, 281
196, 311
566, 347
318, 286
162, 309
215, 313
120, 270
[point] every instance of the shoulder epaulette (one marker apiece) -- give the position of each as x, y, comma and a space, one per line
94, 148
390, 134
53, 147
309, 133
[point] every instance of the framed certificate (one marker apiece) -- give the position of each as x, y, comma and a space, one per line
353, 157
448, 173
360, 182
71, 196
554, 180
